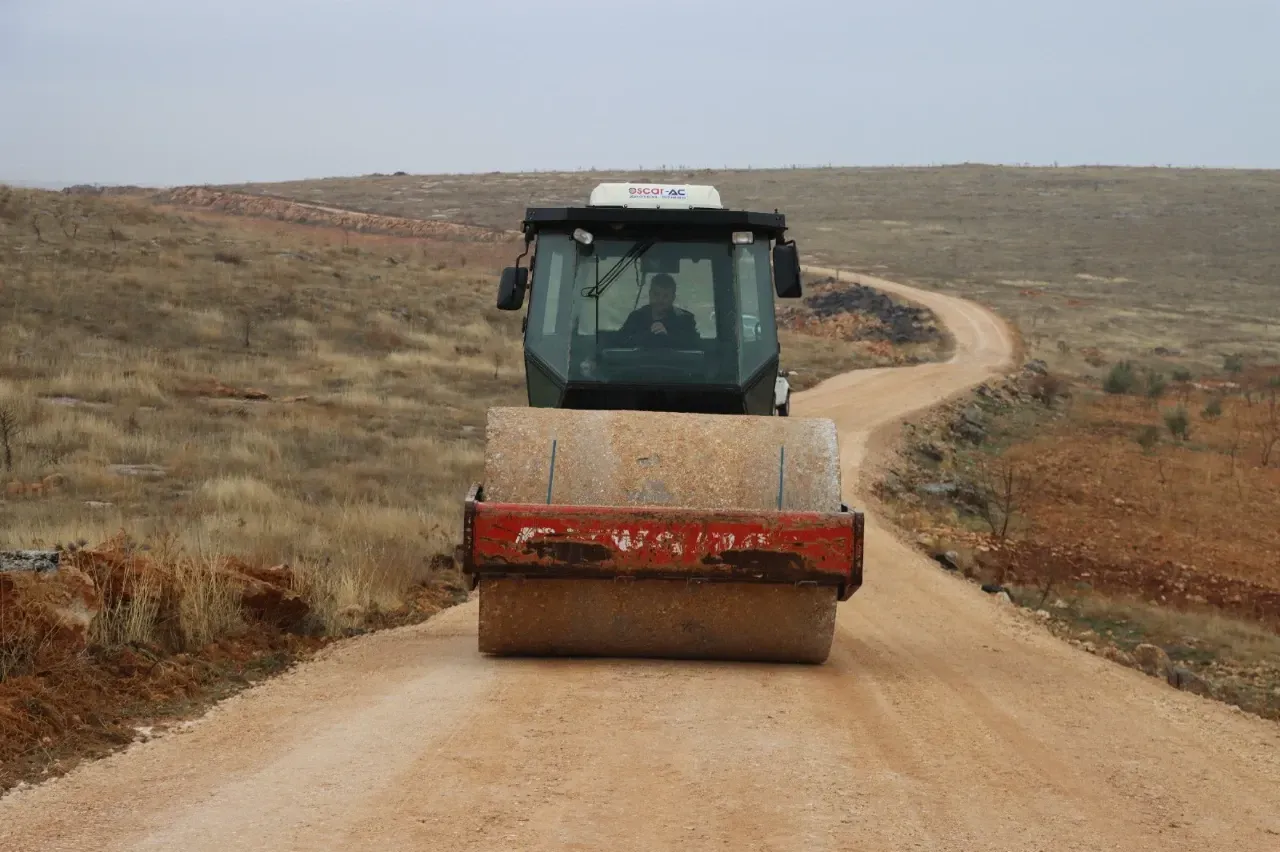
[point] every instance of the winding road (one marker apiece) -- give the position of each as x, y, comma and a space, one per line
942, 721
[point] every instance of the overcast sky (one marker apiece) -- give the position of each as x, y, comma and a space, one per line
166, 91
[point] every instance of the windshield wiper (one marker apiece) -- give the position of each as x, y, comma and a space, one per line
602, 283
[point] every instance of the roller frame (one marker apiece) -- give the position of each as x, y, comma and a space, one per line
558, 541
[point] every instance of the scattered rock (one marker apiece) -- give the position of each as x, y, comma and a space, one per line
949, 560
1003, 598
1118, 655
1036, 366
931, 450
36, 561
75, 402
138, 469
38, 488
1189, 681
48, 614
1152, 660
891, 484
971, 425
1043, 614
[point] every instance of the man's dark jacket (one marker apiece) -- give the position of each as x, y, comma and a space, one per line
681, 326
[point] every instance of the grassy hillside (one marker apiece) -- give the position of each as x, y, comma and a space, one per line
1121, 260
282, 394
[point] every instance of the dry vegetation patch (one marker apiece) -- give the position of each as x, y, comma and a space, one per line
1142, 516
1122, 260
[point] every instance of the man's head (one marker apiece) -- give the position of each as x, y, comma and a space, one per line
662, 292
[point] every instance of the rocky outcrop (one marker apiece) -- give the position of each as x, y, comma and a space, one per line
267, 594
28, 560
1152, 660
48, 616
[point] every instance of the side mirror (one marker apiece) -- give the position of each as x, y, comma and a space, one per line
515, 280
786, 271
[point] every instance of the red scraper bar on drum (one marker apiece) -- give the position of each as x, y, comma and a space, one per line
620, 542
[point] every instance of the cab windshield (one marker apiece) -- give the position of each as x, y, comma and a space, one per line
652, 312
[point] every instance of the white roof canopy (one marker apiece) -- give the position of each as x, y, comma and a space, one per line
655, 195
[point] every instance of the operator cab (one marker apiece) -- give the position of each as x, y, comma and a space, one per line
653, 297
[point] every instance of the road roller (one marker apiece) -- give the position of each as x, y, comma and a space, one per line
656, 497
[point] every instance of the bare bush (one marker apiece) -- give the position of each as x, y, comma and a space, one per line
1182, 385
1148, 437
1270, 429
23, 641
1047, 388
1002, 486
1154, 386
10, 429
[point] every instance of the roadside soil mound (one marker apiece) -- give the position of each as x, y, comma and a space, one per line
848, 310
99, 646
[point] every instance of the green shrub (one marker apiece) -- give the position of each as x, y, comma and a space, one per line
1122, 378
1148, 437
1179, 423
1155, 385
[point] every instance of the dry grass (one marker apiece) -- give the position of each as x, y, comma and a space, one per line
1216, 636
1238, 659
1119, 259
126, 334
255, 389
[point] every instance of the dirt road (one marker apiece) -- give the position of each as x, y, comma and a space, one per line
942, 721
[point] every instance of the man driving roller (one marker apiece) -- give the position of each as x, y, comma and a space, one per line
661, 323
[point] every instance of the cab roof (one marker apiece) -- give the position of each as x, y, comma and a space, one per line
640, 206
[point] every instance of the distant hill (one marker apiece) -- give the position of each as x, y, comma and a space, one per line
34, 184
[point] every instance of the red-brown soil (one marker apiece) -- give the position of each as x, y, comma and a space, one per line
1192, 520
65, 694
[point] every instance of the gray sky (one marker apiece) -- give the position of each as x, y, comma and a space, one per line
165, 91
